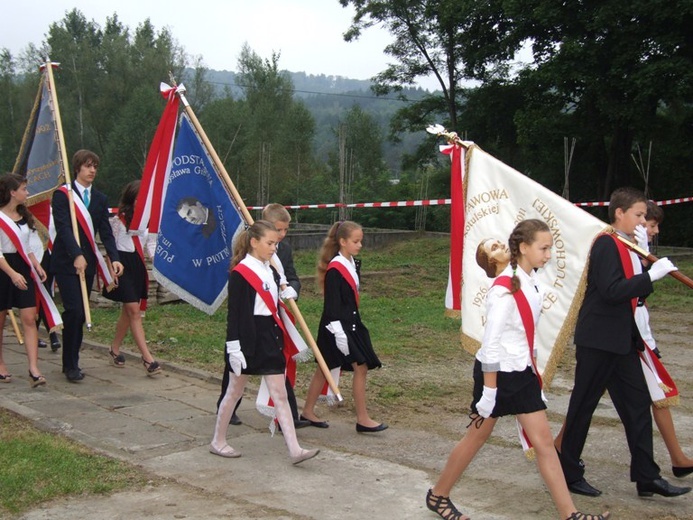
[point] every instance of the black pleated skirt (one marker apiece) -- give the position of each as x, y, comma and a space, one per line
132, 284
518, 392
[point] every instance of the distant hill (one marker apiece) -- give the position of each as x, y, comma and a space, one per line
328, 98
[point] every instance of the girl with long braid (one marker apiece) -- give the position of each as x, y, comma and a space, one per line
505, 382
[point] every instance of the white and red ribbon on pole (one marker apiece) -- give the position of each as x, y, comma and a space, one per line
147, 213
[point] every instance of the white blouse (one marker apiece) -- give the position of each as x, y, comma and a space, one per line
123, 238
504, 346
24, 232
264, 271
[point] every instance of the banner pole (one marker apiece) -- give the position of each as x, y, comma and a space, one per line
15, 326
68, 185
249, 220
678, 275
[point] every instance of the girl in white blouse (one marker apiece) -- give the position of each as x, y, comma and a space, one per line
17, 287
505, 378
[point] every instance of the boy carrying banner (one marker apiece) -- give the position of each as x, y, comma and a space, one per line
607, 352
71, 259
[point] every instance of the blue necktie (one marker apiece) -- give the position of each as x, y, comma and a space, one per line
86, 198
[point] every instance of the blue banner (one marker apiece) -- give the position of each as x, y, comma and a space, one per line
39, 157
198, 223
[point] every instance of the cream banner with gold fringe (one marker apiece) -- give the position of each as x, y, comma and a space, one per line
497, 198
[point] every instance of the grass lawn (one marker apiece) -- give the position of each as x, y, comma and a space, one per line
38, 466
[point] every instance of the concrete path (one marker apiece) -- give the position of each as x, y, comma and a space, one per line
164, 424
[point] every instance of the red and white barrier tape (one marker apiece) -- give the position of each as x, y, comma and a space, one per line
432, 202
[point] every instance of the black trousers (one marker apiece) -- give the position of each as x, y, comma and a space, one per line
622, 376
73, 316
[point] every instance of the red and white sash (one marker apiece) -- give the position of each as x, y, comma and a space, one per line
85, 222
528, 323
660, 384
340, 264
294, 345
43, 299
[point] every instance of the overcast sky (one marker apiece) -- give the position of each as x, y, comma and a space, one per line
307, 33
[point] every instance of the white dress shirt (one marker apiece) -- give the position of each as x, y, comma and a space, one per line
264, 271
504, 346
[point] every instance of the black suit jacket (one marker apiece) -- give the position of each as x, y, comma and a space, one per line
65, 247
605, 321
286, 256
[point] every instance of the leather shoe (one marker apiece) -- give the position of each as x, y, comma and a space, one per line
316, 424
301, 423
42, 344
55, 341
74, 374
235, 420
582, 487
681, 471
370, 429
660, 487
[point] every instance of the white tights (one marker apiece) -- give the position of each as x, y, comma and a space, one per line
277, 390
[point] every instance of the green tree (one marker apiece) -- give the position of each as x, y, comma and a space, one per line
612, 66
276, 137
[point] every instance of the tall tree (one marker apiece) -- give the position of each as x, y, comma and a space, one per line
278, 131
612, 65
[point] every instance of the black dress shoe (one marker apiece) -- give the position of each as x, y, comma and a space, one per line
55, 341
316, 424
660, 487
370, 429
74, 374
235, 420
42, 344
301, 423
681, 471
582, 487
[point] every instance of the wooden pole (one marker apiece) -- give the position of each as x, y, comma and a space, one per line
68, 184
652, 258
249, 220
15, 326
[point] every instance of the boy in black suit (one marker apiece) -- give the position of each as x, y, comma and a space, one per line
607, 343
70, 259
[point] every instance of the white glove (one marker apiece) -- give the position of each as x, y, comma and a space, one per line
289, 293
641, 238
661, 268
340, 337
236, 357
487, 402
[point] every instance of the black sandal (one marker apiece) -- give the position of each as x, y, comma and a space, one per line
37, 380
152, 367
118, 359
577, 515
442, 506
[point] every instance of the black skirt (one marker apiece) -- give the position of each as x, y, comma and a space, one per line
10, 295
268, 356
518, 392
132, 284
